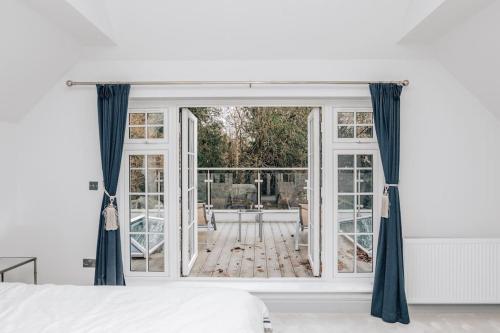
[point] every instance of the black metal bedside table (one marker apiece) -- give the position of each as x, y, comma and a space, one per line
10, 263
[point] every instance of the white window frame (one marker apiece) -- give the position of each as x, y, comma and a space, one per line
376, 207
352, 140
147, 147
126, 216
329, 280
165, 125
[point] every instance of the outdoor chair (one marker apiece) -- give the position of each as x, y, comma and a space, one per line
206, 219
302, 223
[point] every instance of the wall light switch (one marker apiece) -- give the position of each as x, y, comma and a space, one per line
93, 186
88, 262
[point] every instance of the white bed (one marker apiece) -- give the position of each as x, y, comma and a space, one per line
50, 308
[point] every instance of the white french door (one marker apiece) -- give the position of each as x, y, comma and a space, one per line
189, 131
314, 189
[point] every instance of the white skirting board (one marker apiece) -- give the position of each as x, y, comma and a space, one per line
452, 271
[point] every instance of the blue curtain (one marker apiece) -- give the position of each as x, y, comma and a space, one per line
112, 105
389, 299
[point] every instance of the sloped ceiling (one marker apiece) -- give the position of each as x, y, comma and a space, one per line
463, 37
471, 52
257, 29
34, 54
43, 39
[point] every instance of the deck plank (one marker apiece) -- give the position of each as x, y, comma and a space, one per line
274, 257
203, 254
222, 266
260, 267
213, 257
273, 266
238, 253
284, 260
300, 261
248, 261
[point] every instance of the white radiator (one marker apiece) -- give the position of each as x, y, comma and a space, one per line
452, 271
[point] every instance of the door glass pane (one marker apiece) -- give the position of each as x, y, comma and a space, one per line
155, 118
155, 132
155, 161
345, 132
364, 132
155, 173
364, 251
364, 161
137, 181
155, 180
136, 161
345, 213
190, 242
155, 213
137, 252
345, 117
346, 161
190, 171
191, 135
365, 202
345, 263
365, 214
156, 253
364, 117
346, 181
311, 234
365, 181
137, 119
137, 132
137, 206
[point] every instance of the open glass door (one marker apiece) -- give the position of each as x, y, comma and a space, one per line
189, 190
314, 189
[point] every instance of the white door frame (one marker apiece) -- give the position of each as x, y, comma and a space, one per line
327, 104
314, 189
189, 190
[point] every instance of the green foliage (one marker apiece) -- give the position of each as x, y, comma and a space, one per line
213, 147
277, 137
252, 136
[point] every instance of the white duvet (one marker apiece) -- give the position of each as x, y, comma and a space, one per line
50, 308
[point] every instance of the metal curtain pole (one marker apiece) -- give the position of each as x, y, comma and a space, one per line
71, 83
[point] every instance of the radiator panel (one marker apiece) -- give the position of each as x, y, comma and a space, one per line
452, 271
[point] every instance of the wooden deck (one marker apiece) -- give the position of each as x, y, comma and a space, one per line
224, 256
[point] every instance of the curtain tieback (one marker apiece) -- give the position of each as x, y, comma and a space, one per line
110, 213
385, 200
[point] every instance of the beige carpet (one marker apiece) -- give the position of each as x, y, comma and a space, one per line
353, 323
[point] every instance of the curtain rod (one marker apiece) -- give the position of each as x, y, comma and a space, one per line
71, 83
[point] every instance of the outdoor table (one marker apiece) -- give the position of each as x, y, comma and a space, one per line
258, 218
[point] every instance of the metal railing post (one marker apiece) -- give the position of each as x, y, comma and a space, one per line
258, 181
208, 180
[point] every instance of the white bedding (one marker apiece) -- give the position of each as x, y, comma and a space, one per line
50, 308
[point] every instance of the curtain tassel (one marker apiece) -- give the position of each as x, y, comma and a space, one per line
385, 201
110, 214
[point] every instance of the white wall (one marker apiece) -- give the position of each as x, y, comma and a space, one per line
449, 154
7, 173
34, 53
471, 52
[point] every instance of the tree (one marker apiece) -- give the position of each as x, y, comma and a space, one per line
277, 137
252, 136
213, 142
